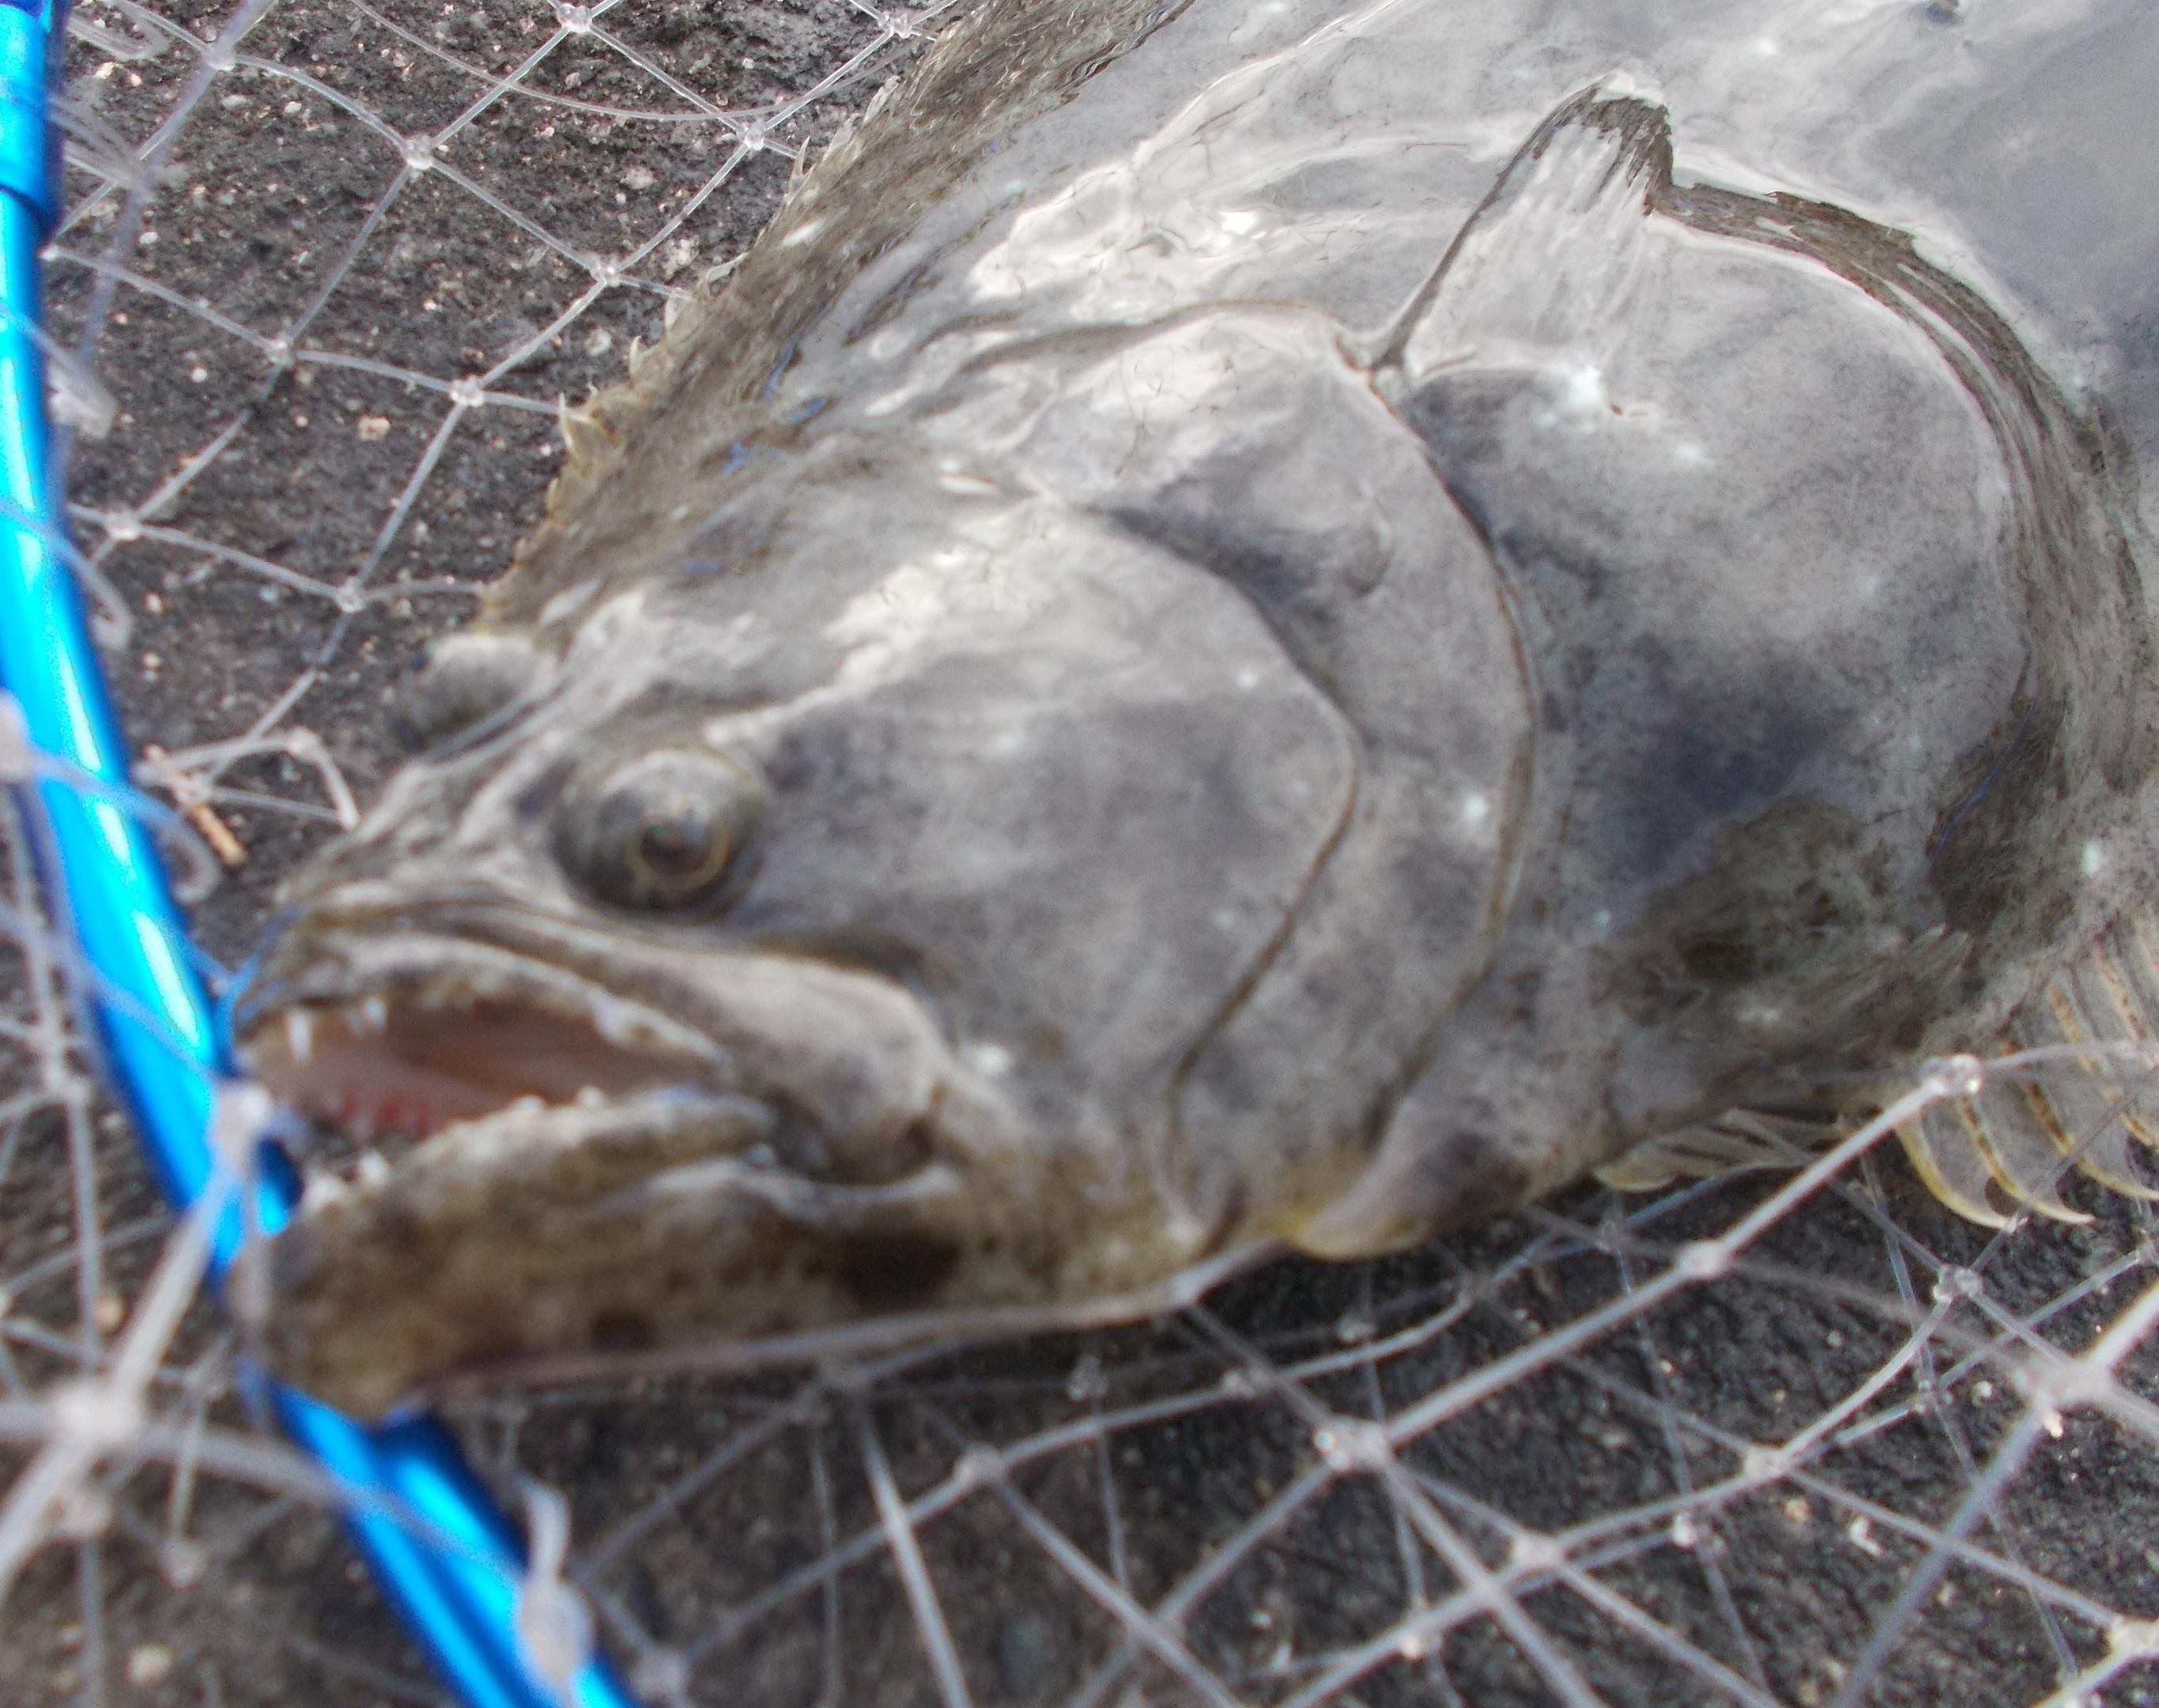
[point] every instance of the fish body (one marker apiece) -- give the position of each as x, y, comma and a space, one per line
1255, 627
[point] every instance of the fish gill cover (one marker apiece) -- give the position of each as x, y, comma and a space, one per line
1752, 1441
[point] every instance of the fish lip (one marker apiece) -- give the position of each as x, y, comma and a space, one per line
850, 1351
342, 965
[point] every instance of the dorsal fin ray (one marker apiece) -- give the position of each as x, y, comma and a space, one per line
2082, 1110
1546, 266
2086, 1103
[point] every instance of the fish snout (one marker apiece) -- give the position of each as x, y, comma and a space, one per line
750, 1147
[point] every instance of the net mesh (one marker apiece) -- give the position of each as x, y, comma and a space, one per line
329, 271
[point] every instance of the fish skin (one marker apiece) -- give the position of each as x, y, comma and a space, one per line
1217, 750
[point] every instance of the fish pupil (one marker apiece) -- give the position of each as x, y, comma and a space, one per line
680, 844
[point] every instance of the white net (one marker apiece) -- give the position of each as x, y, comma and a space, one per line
330, 267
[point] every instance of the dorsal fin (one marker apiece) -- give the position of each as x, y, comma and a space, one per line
1546, 266
2067, 1110
2082, 1096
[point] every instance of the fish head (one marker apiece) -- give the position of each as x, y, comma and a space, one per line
813, 943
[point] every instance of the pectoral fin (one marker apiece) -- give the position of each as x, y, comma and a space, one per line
1741, 1139
1546, 265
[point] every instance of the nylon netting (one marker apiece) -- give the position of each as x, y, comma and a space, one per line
329, 269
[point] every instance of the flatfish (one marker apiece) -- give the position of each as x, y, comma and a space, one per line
1272, 626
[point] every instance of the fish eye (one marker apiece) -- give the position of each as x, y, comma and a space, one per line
664, 831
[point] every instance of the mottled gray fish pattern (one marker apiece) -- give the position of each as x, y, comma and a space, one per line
1255, 627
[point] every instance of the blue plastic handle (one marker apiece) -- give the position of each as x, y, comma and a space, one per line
453, 1575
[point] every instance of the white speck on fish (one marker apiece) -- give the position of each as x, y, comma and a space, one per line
991, 1060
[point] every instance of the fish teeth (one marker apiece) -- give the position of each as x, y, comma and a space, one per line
616, 1023
299, 1035
371, 1169
590, 1097
375, 1014
320, 1186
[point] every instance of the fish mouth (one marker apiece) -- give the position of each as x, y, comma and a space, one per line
520, 1162
403, 1060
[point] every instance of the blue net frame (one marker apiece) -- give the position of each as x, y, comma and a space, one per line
446, 1558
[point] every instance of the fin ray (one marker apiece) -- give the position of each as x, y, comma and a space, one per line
2028, 1132
1731, 1143
1954, 1168
2020, 1136
1545, 266
2019, 1148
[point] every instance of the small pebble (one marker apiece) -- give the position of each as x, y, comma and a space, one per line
149, 1663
